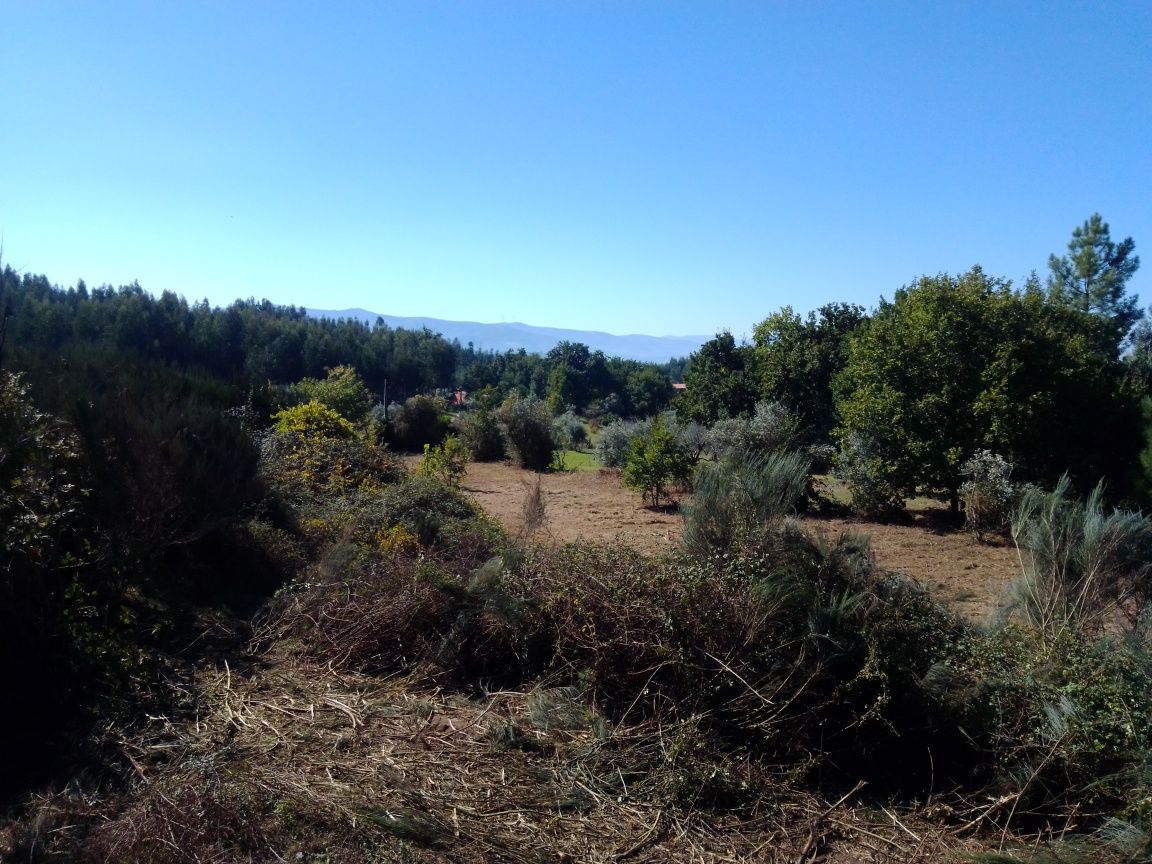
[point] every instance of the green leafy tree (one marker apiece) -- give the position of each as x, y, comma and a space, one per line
343, 391
1139, 358
656, 461
797, 358
957, 364
1094, 275
576, 376
719, 381
649, 391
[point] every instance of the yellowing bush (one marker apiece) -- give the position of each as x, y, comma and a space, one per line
313, 419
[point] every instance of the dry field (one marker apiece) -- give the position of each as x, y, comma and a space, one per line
589, 505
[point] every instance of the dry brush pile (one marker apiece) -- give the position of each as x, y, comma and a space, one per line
428, 690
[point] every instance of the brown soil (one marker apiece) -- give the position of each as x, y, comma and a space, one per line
951, 563
585, 505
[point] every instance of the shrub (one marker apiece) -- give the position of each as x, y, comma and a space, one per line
481, 433
655, 461
445, 462
570, 431
529, 427
615, 441
376, 424
38, 458
692, 435
744, 645
419, 421
772, 427
441, 519
739, 499
297, 464
987, 492
422, 505
343, 391
313, 419
1064, 722
863, 468
42, 542
823, 457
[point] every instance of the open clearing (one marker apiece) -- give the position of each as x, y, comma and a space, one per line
586, 505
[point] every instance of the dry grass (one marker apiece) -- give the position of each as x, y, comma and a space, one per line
534, 512
303, 763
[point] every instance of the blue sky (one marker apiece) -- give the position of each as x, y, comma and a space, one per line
657, 167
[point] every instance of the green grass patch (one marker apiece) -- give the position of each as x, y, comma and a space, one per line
834, 488
577, 460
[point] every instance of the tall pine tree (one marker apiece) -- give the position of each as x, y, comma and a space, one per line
1093, 276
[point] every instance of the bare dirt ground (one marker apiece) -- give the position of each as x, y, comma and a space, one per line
587, 505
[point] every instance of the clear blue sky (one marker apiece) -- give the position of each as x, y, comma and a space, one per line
658, 167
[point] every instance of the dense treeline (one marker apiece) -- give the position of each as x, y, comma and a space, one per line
1048, 377
129, 471
253, 343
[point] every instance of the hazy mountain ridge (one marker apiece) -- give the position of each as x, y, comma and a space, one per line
540, 340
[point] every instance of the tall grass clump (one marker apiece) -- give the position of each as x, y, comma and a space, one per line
1057, 702
740, 497
1083, 567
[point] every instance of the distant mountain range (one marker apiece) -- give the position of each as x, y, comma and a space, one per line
535, 340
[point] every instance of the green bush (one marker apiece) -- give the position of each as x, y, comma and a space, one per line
570, 431
447, 462
419, 421
748, 643
313, 419
615, 441
656, 461
480, 431
987, 492
862, 466
1063, 725
343, 391
529, 428
424, 506
297, 464
771, 428
39, 461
